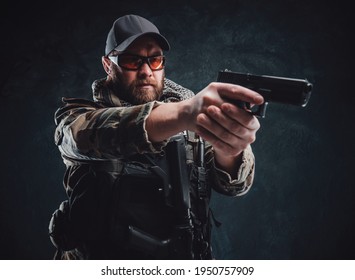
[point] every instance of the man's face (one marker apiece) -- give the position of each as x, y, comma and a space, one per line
142, 85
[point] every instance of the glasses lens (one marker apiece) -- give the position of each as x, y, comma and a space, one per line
134, 62
156, 62
131, 62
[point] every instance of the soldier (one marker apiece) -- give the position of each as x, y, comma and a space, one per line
133, 192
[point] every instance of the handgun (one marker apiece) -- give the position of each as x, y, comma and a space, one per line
273, 89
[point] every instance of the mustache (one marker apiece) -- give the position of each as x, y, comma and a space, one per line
145, 82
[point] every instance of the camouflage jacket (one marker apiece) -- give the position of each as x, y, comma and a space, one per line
110, 128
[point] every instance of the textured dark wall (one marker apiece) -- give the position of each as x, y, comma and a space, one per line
301, 205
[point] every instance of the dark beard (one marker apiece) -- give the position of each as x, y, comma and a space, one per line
138, 95
135, 95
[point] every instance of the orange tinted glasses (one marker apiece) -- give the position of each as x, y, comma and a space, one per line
134, 62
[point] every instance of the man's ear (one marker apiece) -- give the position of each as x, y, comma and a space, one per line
106, 63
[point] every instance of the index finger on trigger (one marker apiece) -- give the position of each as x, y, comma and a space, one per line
236, 92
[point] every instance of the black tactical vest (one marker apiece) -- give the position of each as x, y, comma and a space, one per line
150, 206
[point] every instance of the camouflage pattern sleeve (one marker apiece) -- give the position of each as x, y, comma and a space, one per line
222, 181
87, 130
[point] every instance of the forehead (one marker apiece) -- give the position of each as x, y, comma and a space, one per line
144, 43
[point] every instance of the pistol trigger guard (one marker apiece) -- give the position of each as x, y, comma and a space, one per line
261, 110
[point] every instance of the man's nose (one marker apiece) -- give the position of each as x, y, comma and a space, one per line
144, 70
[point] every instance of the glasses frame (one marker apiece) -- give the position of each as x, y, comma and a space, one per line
144, 59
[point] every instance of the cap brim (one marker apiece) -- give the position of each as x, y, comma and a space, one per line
163, 43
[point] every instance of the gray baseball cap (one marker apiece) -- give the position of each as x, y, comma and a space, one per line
128, 28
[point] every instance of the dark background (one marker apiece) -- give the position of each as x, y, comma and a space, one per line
302, 203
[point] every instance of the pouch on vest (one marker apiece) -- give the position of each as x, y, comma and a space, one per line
141, 202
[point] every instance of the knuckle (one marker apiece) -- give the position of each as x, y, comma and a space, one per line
236, 89
251, 138
206, 100
255, 123
200, 118
212, 86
